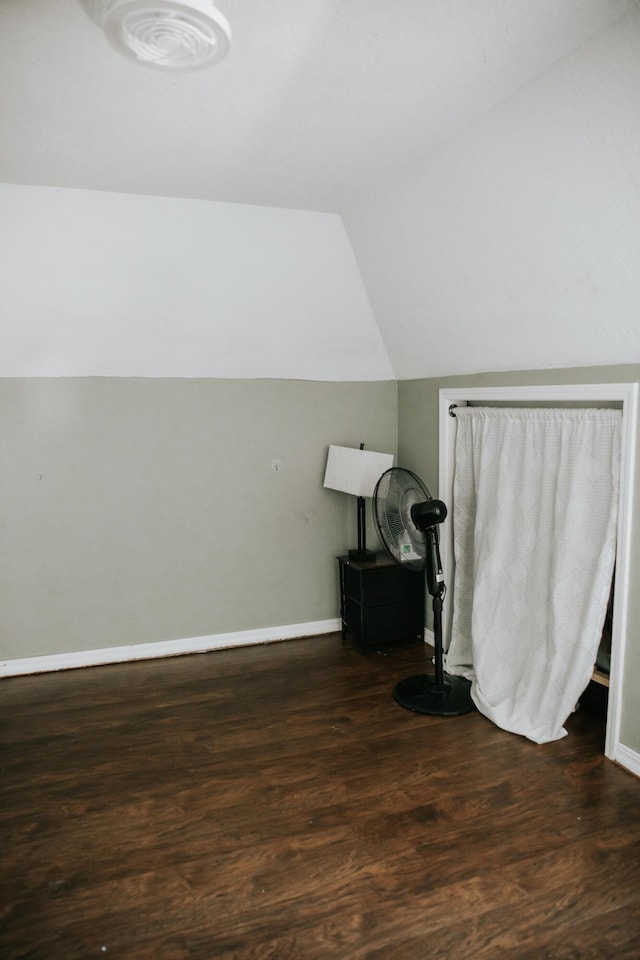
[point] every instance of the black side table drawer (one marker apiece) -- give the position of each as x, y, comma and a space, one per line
377, 585
380, 602
390, 623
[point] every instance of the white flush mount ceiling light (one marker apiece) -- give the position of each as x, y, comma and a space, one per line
175, 35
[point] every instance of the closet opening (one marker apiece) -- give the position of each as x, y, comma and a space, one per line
624, 396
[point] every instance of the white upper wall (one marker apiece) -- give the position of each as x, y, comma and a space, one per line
517, 245
99, 284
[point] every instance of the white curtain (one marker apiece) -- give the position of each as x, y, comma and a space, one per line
534, 525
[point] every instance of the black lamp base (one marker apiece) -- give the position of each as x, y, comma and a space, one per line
422, 694
364, 556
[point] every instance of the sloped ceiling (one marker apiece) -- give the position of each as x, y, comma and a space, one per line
317, 102
516, 245
338, 112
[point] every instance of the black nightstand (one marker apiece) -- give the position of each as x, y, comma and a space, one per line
380, 602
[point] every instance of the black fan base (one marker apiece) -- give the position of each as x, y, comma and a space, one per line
452, 698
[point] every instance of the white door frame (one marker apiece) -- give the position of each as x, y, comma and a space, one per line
625, 393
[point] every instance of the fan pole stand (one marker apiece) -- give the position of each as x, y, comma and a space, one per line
406, 515
439, 694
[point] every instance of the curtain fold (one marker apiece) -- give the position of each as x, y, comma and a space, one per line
534, 526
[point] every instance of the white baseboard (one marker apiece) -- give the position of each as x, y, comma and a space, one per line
165, 648
627, 758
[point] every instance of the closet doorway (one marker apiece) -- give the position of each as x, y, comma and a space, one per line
625, 394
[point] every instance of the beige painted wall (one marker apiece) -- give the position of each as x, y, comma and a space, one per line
418, 450
142, 510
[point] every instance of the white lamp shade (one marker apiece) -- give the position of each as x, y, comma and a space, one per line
355, 471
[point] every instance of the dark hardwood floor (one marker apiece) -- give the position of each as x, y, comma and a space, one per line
274, 802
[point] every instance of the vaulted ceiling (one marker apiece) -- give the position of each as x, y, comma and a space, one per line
318, 100
362, 189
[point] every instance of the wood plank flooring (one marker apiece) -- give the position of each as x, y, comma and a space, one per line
273, 803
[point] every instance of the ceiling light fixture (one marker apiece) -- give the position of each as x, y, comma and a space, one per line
175, 35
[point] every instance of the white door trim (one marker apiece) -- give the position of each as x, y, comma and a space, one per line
627, 395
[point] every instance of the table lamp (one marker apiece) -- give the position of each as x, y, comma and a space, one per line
356, 471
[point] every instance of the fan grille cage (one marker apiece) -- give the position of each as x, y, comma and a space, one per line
396, 492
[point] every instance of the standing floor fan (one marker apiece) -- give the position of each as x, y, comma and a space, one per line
407, 518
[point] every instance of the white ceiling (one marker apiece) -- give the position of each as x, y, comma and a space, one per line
318, 101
